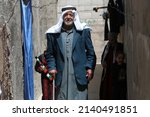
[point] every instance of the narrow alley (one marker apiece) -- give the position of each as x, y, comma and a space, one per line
134, 34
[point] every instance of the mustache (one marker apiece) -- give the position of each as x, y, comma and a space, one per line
68, 22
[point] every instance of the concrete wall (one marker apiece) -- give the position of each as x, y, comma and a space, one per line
11, 70
137, 47
44, 16
92, 18
10, 13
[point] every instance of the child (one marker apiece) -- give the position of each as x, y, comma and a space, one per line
47, 83
119, 80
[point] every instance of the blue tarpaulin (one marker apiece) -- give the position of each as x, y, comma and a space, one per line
26, 16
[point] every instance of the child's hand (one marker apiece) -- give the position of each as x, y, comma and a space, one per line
41, 68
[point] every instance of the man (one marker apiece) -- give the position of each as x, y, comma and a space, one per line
70, 56
108, 57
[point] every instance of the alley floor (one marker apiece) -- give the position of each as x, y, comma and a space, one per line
94, 85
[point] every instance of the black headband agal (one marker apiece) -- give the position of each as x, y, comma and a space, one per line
68, 8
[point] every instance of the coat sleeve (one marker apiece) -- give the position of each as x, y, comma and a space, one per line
50, 54
90, 52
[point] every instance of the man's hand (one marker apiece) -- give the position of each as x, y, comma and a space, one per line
89, 74
53, 73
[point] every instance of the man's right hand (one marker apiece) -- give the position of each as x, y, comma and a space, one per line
53, 73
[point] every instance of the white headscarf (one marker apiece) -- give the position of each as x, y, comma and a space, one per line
57, 28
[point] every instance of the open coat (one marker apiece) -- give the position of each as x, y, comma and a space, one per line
83, 55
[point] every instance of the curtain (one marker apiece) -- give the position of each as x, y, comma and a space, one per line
26, 21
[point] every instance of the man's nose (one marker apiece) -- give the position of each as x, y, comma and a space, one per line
68, 16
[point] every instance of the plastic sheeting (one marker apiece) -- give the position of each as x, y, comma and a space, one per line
26, 14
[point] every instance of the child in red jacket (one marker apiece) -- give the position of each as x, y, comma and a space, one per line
46, 79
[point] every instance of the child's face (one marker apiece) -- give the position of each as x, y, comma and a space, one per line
120, 59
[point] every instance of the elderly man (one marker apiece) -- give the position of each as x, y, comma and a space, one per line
70, 55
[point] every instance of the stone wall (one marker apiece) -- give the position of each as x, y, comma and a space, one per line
137, 47
44, 16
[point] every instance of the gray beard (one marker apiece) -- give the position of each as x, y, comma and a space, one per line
68, 23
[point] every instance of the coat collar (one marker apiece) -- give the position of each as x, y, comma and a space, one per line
76, 37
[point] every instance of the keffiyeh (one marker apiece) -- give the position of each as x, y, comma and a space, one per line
79, 26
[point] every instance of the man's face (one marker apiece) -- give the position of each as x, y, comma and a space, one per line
68, 18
